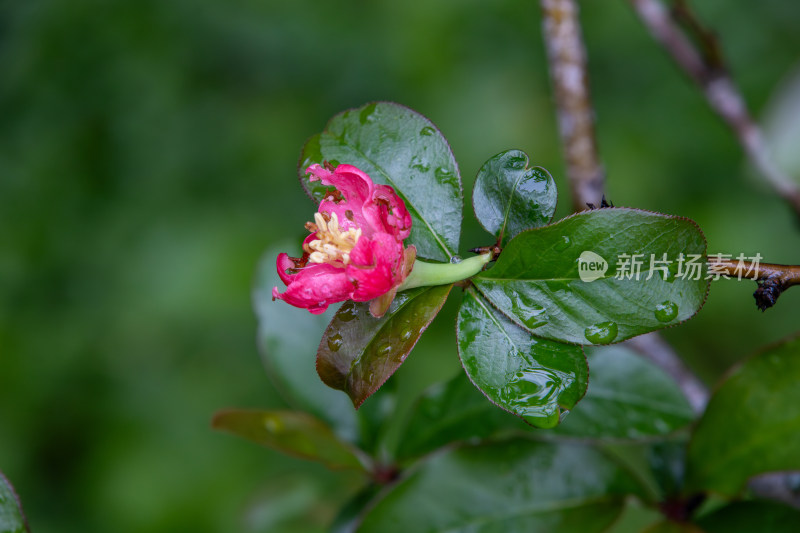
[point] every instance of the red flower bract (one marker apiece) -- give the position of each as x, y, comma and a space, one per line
355, 248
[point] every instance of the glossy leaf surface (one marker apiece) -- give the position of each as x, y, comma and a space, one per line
750, 516
510, 197
536, 280
450, 412
288, 339
751, 424
11, 518
628, 398
358, 352
399, 147
290, 432
513, 486
531, 377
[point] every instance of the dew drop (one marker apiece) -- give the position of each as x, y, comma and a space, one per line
601, 333
417, 163
455, 259
534, 391
367, 114
528, 311
562, 244
384, 349
406, 333
666, 311
427, 131
443, 174
347, 313
335, 342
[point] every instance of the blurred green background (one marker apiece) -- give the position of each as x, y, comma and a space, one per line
147, 158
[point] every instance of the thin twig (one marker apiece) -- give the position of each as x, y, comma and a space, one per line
772, 279
723, 96
567, 57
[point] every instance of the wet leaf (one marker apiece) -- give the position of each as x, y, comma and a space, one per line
288, 339
537, 280
747, 517
291, 432
399, 147
513, 486
531, 377
510, 197
358, 352
751, 424
628, 398
450, 412
12, 519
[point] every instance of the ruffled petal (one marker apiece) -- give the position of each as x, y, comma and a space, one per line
355, 185
316, 286
375, 266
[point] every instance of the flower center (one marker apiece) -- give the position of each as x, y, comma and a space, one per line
332, 243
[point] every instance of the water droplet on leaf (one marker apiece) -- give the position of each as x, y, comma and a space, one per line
347, 313
417, 163
666, 311
367, 114
335, 342
562, 244
427, 131
406, 333
455, 259
601, 333
384, 349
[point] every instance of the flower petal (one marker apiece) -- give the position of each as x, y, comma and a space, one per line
316, 286
375, 266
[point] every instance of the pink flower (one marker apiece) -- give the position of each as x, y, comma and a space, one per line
355, 249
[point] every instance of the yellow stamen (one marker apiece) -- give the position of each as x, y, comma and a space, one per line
332, 245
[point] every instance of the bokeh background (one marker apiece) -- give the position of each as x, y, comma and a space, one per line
148, 156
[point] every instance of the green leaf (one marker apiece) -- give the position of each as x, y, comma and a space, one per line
450, 412
512, 486
291, 432
399, 147
536, 280
358, 352
288, 339
531, 377
673, 527
510, 197
12, 519
751, 424
628, 398
746, 517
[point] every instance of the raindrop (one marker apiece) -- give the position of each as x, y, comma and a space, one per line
562, 244
367, 114
384, 349
406, 333
417, 163
347, 313
534, 391
427, 131
455, 259
666, 311
335, 342
601, 333
444, 174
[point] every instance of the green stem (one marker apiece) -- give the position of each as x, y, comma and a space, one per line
427, 274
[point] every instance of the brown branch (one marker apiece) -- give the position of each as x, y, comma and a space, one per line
708, 72
567, 58
772, 279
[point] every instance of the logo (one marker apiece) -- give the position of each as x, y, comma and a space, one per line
591, 266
